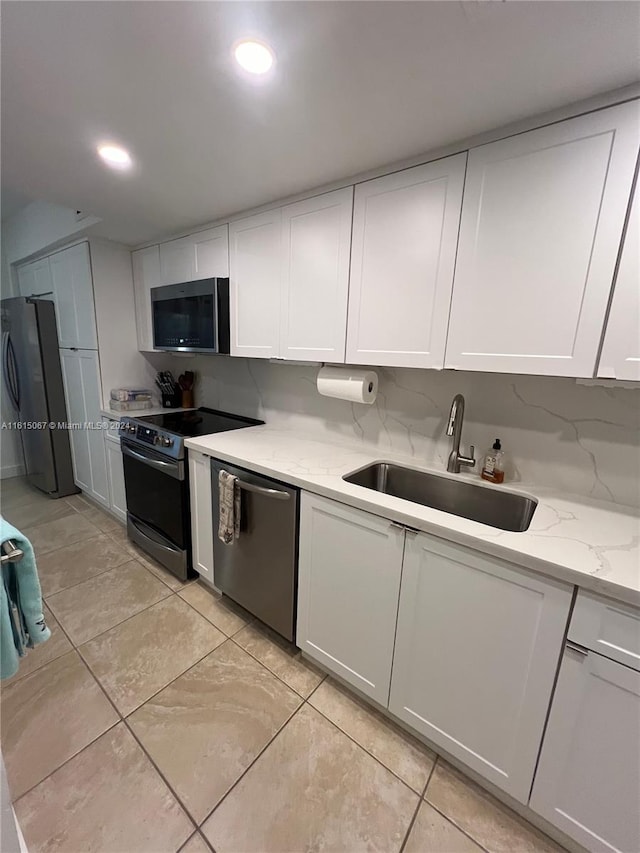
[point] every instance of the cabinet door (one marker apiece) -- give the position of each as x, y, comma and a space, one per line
177, 262
316, 246
76, 413
73, 291
35, 279
81, 374
255, 260
620, 357
588, 777
477, 649
115, 475
201, 514
348, 584
146, 274
201, 255
211, 253
405, 231
542, 219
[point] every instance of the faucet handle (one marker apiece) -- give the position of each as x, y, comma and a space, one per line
472, 452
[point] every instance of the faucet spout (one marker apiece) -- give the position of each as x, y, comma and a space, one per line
454, 428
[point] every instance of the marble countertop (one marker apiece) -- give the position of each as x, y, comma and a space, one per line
593, 544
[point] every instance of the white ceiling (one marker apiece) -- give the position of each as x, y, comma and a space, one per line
357, 85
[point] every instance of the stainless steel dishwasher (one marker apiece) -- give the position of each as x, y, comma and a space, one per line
259, 570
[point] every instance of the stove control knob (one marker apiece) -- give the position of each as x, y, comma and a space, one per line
167, 442
157, 439
131, 428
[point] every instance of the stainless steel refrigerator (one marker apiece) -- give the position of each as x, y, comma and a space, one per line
33, 382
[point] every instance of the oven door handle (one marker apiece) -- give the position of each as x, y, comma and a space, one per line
171, 468
260, 490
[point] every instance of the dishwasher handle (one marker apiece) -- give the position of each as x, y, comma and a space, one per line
260, 490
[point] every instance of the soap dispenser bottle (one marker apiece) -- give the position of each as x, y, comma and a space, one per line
493, 464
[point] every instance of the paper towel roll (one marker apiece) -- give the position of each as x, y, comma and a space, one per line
359, 386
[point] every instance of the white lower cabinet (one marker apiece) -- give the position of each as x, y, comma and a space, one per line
81, 374
201, 514
348, 584
588, 778
115, 474
477, 650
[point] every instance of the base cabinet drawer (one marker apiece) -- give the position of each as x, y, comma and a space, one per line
588, 778
477, 650
348, 585
607, 627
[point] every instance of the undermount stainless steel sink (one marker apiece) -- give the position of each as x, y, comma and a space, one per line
504, 510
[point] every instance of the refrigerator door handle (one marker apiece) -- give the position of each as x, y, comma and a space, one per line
9, 371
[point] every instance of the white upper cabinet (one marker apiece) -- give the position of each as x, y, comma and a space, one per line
73, 294
201, 255
316, 246
146, 274
620, 358
405, 231
34, 279
541, 225
348, 587
476, 654
255, 261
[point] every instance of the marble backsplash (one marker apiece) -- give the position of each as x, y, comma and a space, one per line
557, 433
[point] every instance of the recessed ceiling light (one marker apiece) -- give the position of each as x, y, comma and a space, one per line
115, 156
254, 56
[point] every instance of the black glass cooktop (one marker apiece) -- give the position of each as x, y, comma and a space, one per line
198, 422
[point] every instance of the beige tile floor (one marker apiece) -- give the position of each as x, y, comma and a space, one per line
161, 717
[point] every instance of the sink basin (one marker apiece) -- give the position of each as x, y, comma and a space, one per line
504, 510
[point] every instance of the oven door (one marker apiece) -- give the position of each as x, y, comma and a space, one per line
185, 316
157, 494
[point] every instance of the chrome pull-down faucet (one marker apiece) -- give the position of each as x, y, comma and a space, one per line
454, 428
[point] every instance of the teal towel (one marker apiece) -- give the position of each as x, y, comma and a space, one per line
22, 621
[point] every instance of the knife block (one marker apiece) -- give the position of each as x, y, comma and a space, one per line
172, 401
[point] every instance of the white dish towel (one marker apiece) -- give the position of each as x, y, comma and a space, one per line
229, 499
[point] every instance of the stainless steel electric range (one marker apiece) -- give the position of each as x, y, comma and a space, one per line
156, 477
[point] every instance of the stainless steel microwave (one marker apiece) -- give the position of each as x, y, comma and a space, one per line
192, 316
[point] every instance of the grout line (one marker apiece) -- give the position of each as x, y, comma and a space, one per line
421, 800
66, 761
371, 755
117, 625
47, 596
137, 613
205, 841
123, 720
190, 838
411, 823
108, 729
163, 777
457, 826
449, 819
317, 687
164, 686
248, 768
275, 674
